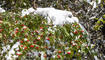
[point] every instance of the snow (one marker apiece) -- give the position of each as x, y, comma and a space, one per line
42, 54
88, 0
58, 17
96, 58
27, 11
12, 52
94, 3
2, 10
99, 1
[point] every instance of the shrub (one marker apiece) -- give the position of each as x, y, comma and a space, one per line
37, 37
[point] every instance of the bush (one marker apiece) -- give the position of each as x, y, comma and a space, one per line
36, 36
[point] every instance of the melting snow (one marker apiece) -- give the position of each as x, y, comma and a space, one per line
27, 11
59, 17
12, 52
99, 1
2, 10
94, 3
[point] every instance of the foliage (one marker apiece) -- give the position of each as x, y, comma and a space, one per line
35, 35
100, 23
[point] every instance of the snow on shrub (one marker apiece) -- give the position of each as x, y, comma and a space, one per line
39, 40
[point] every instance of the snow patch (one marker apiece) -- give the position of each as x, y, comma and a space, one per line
94, 3
12, 52
58, 17
2, 10
99, 1
27, 11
